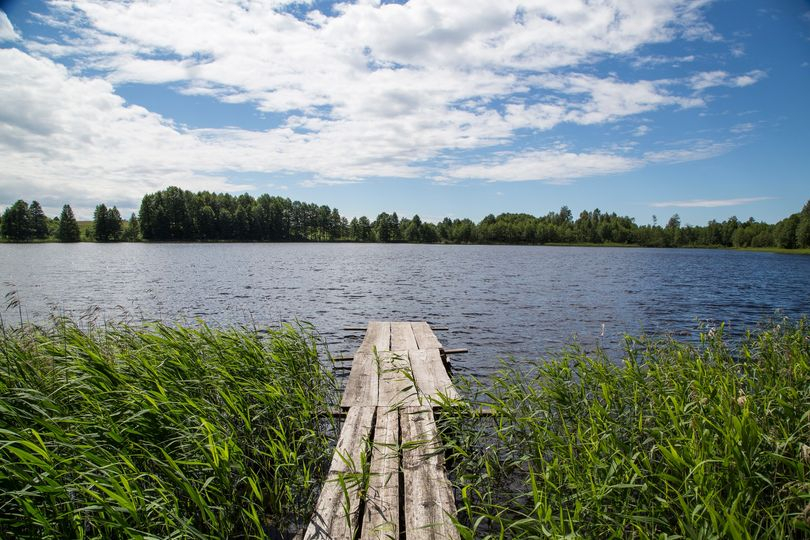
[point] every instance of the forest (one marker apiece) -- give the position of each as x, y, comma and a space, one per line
175, 214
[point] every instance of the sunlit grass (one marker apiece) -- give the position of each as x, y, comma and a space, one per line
165, 431
170, 431
678, 441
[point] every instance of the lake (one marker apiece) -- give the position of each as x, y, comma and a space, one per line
497, 301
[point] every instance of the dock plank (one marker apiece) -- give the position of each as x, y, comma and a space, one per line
381, 519
396, 387
337, 513
431, 377
428, 496
402, 337
362, 387
425, 338
378, 336
396, 375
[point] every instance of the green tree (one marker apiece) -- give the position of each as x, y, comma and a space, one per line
100, 223
107, 224
39, 222
207, 223
68, 227
382, 227
803, 227
413, 230
364, 228
114, 225
16, 224
785, 232
133, 231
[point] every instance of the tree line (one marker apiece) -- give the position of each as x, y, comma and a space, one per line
174, 214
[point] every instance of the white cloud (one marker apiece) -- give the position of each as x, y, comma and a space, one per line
372, 90
690, 151
709, 79
557, 166
7, 32
641, 130
737, 50
745, 127
709, 203
644, 61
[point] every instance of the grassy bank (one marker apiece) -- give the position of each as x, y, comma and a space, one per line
160, 432
679, 441
156, 432
796, 251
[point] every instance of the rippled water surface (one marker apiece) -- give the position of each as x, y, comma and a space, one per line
496, 300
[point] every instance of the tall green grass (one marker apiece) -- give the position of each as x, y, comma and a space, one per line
163, 431
678, 441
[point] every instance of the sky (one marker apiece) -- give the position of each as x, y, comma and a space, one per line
438, 108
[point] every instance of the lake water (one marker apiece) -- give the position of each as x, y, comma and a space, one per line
496, 300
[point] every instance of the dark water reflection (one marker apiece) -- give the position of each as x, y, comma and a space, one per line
496, 300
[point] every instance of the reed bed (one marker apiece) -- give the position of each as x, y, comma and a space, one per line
160, 431
676, 441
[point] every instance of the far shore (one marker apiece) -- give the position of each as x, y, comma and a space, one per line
796, 251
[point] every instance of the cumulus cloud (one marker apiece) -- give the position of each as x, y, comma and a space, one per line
7, 32
365, 90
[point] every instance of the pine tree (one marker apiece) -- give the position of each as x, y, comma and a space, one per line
16, 224
39, 222
68, 227
133, 232
114, 225
100, 223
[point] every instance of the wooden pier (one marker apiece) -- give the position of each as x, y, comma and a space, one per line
397, 376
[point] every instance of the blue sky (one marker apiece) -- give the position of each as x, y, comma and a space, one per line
459, 109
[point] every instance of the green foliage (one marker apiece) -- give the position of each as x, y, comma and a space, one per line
17, 223
679, 441
68, 230
107, 224
39, 222
175, 214
132, 233
120, 432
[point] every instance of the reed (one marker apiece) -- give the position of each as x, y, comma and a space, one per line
677, 441
160, 431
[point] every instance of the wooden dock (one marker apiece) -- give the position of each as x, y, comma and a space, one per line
397, 376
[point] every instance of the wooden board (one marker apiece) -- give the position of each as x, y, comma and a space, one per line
337, 511
362, 387
381, 519
428, 496
431, 377
378, 335
402, 337
425, 338
396, 388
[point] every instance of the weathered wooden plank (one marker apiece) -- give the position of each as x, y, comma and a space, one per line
381, 519
396, 385
378, 336
425, 338
362, 387
431, 377
337, 513
402, 337
429, 501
